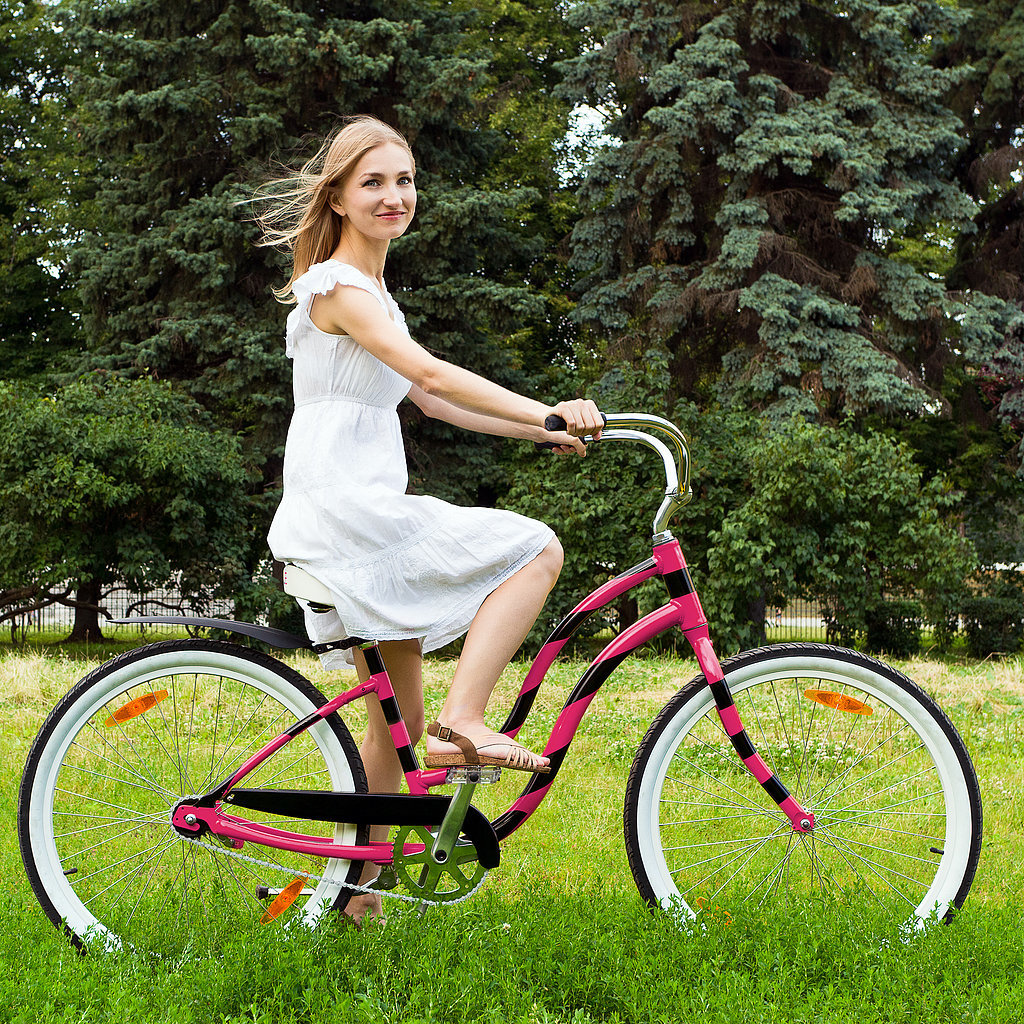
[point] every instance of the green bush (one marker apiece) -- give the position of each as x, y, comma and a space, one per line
842, 518
894, 628
993, 617
782, 510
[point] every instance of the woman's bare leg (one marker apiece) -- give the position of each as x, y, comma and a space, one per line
404, 663
497, 631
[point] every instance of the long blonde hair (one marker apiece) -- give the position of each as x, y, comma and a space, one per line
294, 211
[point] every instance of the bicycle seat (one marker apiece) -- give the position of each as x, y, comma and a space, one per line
299, 583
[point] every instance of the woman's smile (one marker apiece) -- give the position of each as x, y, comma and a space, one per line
378, 199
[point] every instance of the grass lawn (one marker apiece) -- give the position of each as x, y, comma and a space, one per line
558, 932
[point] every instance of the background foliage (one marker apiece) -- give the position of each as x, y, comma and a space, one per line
111, 480
779, 208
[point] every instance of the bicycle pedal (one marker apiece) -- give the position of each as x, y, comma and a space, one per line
472, 774
386, 880
266, 892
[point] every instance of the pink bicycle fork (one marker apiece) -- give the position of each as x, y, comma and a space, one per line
694, 624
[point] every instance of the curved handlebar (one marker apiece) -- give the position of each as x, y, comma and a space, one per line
621, 427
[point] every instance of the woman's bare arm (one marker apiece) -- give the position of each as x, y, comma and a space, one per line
355, 312
438, 408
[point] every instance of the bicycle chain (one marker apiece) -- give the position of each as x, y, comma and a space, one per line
323, 878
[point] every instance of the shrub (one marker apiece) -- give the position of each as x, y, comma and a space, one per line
993, 617
894, 628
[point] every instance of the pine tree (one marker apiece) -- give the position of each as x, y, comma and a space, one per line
990, 259
766, 161
990, 105
190, 102
36, 327
539, 155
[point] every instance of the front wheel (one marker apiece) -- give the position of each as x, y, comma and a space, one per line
124, 746
895, 798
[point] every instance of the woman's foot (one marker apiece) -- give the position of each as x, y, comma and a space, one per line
475, 744
364, 907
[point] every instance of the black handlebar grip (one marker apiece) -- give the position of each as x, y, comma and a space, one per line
551, 424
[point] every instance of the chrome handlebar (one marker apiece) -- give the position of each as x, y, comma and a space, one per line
620, 427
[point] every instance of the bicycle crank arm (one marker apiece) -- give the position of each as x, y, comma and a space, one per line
370, 809
454, 823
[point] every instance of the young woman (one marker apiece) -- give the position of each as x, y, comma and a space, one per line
409, 570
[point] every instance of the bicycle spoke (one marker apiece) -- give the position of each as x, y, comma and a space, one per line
109, 867
884, 800
107, 821
751, 848
141, 761
121, 763
75, 855
847, 854
118, 781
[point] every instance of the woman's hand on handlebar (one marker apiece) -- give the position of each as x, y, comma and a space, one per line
582, 417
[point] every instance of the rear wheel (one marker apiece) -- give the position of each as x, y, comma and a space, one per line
895, 798
125, 745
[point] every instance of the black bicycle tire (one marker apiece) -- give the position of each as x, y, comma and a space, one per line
67, 703
796, 651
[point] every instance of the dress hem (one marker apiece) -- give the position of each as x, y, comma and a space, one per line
455, 625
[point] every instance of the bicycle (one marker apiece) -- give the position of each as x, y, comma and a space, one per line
847, 782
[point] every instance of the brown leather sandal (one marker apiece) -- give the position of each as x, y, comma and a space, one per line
518, 758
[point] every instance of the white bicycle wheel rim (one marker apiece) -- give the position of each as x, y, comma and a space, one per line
77, 917
958, 834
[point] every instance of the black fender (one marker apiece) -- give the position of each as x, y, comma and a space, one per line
279, 638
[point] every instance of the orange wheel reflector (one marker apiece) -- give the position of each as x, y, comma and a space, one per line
136, 707
839, 701
284, 899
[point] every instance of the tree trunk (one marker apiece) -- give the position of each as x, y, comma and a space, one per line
628, 611
757, 609
87, 614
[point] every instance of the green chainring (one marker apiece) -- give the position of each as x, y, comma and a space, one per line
437, 883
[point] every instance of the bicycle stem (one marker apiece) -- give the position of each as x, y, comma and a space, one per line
678, 491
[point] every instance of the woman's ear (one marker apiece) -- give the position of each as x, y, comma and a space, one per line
334, 202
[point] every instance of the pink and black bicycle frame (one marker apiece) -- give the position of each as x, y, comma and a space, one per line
683, 610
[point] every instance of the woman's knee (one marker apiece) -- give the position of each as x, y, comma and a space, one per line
552, 559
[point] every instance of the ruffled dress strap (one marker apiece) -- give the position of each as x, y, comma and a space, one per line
319, 280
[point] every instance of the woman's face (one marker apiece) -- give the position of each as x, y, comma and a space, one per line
379, 198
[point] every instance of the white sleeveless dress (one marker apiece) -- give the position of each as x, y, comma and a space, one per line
400, 566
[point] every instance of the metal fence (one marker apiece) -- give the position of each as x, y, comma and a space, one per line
117, 603
800, 620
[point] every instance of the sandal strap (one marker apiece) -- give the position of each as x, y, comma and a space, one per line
446, 735
517, 757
